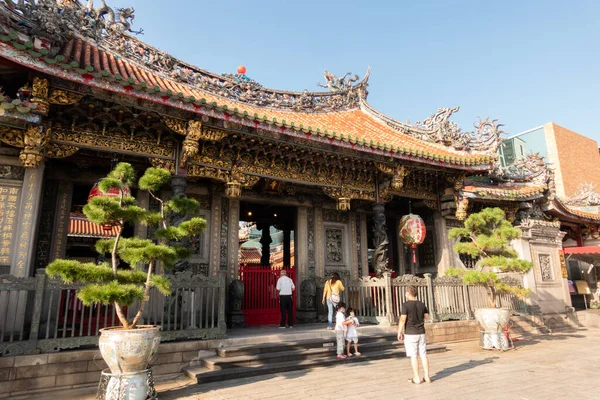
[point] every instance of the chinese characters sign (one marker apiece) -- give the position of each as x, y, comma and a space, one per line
25, 231
9, 206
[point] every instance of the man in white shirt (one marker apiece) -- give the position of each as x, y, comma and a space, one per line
285, 286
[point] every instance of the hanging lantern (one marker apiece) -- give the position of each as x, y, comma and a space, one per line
114, 192
412, 232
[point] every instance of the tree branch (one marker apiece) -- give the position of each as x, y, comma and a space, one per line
146, 295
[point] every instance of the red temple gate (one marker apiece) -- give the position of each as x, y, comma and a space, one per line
260, 304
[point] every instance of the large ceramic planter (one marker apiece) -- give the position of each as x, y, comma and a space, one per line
127, 352
493, 322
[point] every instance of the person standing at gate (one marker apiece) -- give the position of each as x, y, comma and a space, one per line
285, 287
332, 293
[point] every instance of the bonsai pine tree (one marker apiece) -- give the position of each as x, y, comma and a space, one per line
486, 237
107, 283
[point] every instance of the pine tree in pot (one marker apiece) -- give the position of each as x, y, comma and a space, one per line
128, 349
486, 237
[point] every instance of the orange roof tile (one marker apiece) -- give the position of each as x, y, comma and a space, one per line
357, 127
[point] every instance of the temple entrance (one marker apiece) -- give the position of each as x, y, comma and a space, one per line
266, 247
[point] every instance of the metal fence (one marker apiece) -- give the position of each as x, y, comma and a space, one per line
40, 314
379, 300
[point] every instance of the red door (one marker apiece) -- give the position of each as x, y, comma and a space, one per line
260, 304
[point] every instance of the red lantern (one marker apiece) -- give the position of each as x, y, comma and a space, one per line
241, 70
113, 192
412, 232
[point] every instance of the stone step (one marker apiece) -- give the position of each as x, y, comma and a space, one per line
204, 375
251, 360
236, 351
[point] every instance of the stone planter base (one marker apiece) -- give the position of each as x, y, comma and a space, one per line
126, 386
494, 341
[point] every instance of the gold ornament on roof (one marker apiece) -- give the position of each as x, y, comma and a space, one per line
64, 97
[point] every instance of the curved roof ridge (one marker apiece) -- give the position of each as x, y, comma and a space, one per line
442, 133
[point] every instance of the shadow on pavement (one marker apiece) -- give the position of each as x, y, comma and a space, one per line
446, 372
562, 335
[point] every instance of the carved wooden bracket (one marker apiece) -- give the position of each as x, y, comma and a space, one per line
33, 141
55, 150
39, 93
462, 208
194, 131
397, 172
235, 180
169, 165
64, 97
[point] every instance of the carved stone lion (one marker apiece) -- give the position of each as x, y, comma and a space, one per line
236, 294
308, 297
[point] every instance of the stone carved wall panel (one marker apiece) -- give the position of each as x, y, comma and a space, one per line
546, 267
224, 229
334, 246
310, 216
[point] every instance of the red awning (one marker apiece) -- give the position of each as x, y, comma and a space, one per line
79, 226
582, 250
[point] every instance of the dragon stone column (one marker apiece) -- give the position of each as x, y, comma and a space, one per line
179, 185
379, 224
380, 240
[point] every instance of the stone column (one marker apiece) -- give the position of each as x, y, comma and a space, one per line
286, 248
178, 185
443, 246
319, 242
234, 241
380, 238
353, 247
301, 249
379, 224
214, 232
24, 255
141, 230
364, 244
62, 216
265, 241
540, 244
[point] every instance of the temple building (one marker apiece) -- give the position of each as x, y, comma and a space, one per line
329, 173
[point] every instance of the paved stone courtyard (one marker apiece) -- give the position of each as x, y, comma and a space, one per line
563, 365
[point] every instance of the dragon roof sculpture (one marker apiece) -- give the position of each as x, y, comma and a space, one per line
586, 196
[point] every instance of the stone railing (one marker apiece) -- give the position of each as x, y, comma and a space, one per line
40, 314
379, 300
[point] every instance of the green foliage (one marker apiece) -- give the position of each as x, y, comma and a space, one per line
110, 293
75, 271
108, 284
486, 237
182, 205
154, 178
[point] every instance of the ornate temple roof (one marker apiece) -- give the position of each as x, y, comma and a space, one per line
95, 47
528, 178
583, 206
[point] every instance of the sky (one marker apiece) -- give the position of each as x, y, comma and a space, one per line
525, 62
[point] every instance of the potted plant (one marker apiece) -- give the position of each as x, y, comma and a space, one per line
486, 237
128, 349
